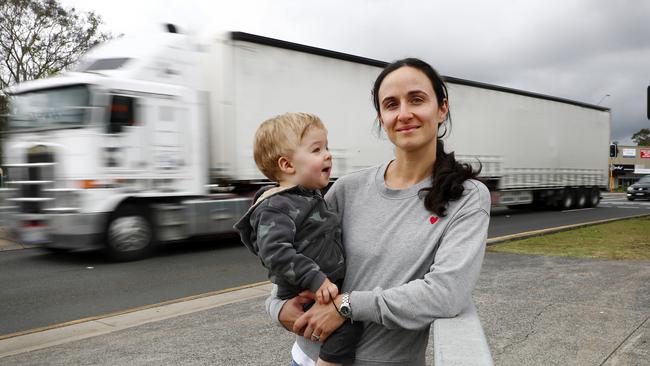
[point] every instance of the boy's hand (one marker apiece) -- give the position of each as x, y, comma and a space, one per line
326, 292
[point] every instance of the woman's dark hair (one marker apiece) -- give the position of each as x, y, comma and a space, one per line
448, 174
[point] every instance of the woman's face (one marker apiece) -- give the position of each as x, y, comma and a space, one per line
408, 109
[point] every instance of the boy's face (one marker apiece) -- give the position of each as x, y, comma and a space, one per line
312, 161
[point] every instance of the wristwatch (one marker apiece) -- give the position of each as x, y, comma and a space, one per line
344, 309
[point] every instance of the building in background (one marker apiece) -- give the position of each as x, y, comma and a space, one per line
630, 164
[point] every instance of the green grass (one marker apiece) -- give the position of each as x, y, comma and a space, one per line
625, 239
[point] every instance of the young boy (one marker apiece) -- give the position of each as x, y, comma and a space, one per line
290, 228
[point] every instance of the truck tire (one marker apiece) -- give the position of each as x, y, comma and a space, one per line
551, 202
55, 251
594, 197
581, 198
566, 199
520, 207
129, 234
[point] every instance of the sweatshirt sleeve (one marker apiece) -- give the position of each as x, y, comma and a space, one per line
443, 292
273, 305
275, 238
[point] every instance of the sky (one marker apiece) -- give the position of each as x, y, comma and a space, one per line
592, 51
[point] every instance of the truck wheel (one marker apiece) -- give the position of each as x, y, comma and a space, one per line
129, 234
566, 199
594, 197
55, 251
581, 198
551, 202
520, 207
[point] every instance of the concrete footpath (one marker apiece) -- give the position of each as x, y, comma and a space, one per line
7, 242
535, 310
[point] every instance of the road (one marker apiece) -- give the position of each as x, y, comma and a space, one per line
505, 221
38, 289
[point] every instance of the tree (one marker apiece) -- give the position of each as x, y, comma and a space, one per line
39, 38
4, 110
642, 137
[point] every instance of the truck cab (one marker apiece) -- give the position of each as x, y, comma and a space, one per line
84, 149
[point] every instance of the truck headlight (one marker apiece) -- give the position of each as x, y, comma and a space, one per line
65, 199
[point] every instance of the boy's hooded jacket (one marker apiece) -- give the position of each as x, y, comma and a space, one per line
297, 238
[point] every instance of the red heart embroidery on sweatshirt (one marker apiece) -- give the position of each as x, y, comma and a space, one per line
433, 220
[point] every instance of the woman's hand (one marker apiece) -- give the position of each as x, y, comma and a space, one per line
292, 310
320, 321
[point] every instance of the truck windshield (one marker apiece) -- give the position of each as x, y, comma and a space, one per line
50, 108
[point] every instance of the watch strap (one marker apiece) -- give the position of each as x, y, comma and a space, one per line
337, 309
345, 302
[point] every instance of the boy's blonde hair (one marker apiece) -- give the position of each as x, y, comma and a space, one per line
279, 136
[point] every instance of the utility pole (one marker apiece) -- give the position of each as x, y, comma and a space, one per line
613, 152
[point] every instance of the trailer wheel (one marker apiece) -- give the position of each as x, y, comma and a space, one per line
581, 198
551, 202
129, 234
566, 199
55, 251
594, 197
520, 207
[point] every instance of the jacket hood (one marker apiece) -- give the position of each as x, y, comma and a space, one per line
243, 226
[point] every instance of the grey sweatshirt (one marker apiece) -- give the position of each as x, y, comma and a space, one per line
405, 267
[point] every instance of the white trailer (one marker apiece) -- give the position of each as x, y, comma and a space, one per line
535, 149
150, 140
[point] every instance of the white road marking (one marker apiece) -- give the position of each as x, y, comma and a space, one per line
625, 203
578, 209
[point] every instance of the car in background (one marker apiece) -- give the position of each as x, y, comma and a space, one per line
640, 189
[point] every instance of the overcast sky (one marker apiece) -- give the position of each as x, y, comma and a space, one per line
576, 49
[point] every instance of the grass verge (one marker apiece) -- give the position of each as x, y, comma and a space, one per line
625, 239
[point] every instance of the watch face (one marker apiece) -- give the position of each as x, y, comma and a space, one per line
345, 310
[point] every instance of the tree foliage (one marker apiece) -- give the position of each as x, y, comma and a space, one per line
642, 137
39, 38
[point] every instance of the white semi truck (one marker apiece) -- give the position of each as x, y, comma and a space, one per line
150, 140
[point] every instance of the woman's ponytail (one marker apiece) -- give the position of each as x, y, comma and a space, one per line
447, 180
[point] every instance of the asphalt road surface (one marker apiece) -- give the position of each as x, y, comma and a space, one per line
39, 289
506, 221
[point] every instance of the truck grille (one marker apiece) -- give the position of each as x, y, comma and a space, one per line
29, 182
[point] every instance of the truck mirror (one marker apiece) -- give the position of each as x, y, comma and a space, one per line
121, 112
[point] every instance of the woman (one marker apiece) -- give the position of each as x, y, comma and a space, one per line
414, 231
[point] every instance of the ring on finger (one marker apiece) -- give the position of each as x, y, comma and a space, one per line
315, 337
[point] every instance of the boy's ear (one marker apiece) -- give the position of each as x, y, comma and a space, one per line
285, 165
